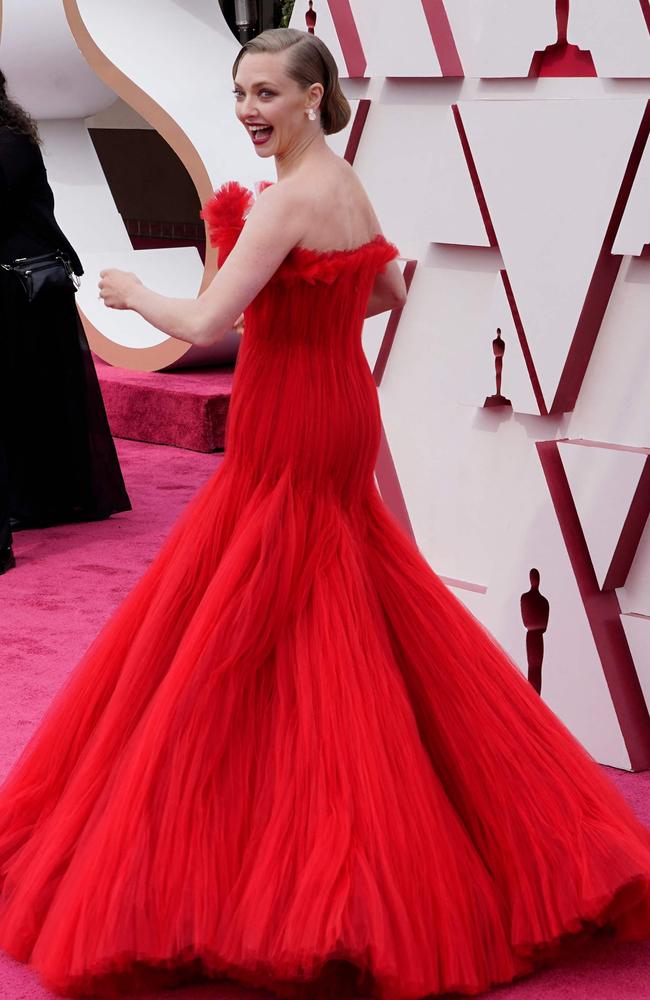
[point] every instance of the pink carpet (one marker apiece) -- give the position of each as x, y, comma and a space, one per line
68, 581
185, 408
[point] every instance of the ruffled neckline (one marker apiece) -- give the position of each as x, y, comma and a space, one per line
324, 254
226, 211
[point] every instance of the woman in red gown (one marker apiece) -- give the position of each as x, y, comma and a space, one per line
292, 757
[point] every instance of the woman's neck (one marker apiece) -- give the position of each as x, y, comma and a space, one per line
300, 156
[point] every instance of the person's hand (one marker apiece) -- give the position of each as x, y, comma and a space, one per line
238, 325
116, 286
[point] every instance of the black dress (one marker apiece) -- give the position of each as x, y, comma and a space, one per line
60, 457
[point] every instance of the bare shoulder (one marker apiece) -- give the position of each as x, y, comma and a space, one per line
362, 198
279, 208
321, 207
333, 204
333, 180
350, 194
287, 195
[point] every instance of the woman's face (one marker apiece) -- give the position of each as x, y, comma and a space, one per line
266, 96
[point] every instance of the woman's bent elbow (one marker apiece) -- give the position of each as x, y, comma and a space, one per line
206, 334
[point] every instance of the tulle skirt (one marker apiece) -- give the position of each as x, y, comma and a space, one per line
294, 758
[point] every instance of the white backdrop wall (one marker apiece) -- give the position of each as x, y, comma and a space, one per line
505, 147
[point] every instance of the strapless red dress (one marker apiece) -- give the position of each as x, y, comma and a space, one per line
292, 757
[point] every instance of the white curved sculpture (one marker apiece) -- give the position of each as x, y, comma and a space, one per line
35, 35
53, 34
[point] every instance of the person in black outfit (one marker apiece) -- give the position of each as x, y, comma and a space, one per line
57, 458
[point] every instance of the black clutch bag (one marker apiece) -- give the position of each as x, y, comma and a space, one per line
49, 270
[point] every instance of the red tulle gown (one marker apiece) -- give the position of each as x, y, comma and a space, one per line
292, 757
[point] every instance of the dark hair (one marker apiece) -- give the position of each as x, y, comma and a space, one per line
13, 117
309, 61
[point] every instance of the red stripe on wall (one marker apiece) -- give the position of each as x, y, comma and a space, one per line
633, 528
443, 38
473, 173
391, 328
389, 486
523, 343
346, 29
354, 138
601, 285
603, 613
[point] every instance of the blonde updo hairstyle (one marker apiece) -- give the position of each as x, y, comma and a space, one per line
309, 61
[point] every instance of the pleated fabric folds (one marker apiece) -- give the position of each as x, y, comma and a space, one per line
292, 757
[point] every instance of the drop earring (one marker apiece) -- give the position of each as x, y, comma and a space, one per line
311, 114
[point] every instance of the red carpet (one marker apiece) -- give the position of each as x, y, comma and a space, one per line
186, 408
68, 581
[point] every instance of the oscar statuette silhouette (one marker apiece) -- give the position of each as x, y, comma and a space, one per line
310, 18
498, 349
562, 58
534, 614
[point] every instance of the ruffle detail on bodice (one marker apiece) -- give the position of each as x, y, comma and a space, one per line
226, 211
326, 265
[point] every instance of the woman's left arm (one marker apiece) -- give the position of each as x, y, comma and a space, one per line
275, 224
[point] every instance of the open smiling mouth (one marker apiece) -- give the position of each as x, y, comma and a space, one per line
260, 133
